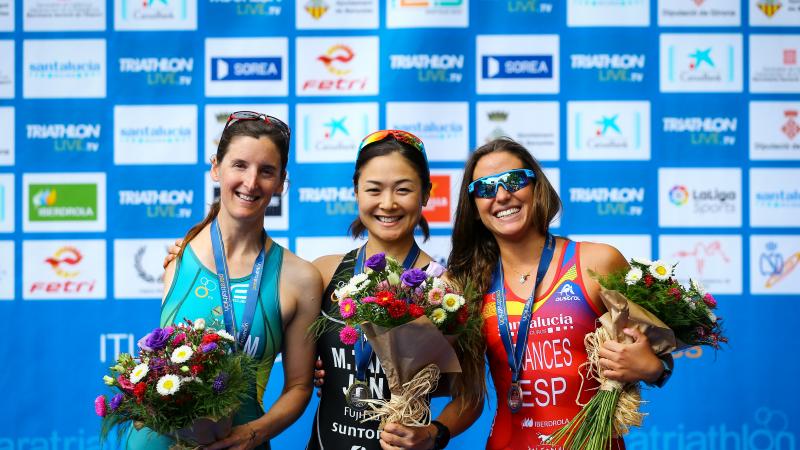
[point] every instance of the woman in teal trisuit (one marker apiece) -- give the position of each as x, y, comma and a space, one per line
250, 166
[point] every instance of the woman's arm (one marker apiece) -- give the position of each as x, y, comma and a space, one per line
621, 362
302, 288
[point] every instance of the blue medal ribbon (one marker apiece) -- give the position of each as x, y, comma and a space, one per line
225, 291
516, 352
362, 348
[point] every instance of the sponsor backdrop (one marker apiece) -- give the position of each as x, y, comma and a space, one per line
670, 128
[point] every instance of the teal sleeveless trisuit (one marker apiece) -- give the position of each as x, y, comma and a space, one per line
194, 294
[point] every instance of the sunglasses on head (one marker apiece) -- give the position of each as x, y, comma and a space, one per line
511, 180
252, 115
399, 135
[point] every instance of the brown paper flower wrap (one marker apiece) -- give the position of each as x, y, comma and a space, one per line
413, 356
647, 298
203, 431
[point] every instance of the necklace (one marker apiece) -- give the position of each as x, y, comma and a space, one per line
523, 277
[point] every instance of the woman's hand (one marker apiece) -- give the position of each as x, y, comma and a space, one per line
395, 436
319, 376
172, 252
242, 437
629, 363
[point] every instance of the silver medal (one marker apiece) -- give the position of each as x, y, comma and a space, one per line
514, 398
356, 394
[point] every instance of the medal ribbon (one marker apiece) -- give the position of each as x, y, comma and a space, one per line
225, 291
516, 352
362, 348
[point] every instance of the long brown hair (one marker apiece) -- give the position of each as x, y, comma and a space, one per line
387, 146
250, 128
475, 251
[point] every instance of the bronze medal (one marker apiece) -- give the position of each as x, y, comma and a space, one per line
515, 398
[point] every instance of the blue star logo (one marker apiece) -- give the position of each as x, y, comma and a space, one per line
609, 122
700, 57
336, 125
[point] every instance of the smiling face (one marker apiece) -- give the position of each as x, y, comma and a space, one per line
509, 215
390, 197
248, 175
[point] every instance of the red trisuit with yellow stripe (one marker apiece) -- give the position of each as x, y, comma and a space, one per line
550, 381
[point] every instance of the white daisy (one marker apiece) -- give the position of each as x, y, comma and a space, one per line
181, 354
660, 270
438, 315
633, 276
139, 372
168, 385
451, 302
225, 335
643, 261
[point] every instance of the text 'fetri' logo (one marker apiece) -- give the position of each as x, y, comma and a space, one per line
246, 69
337, 59
517, 66
59, 202
63, 261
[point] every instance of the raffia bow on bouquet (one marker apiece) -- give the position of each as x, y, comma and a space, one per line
413, 357
648, 298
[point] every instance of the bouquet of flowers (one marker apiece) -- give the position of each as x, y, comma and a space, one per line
187, 383
412, 319
673, 317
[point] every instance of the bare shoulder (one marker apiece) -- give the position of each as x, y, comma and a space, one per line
601, 258
326, 265
299, 272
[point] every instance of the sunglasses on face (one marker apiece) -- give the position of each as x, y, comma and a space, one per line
400, 135
511, 180
252, 115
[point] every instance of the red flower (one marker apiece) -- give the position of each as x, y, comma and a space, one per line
416, 311
196, 369
648, 280
675, 292
138, 391
710, 301
214, 337
397, 309
462, 315
384, 298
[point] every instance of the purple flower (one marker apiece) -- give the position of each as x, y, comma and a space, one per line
377, 262
157, 363
210, 347
116, 401
219, 382
156, 339
434, 269
413, 277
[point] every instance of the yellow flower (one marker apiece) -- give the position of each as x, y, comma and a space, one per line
168, 385
660, 270
139, 372
181, 354
438, 315
451, 302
